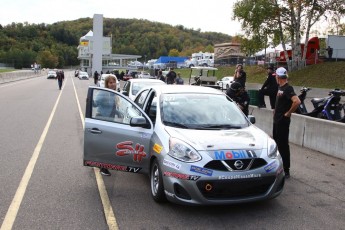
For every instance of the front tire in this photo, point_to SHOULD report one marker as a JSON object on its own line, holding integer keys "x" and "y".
{"x": 156, "y": 182}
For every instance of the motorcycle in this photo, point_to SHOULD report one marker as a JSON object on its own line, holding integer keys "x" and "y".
{"x": 318, "y": 104}
{"x": 328, "y": 108}
{"x": 333, "y": 108}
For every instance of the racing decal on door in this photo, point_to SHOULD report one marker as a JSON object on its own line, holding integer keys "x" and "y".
{"x": 112, "y": 166}
{"x": 126, "y": 148}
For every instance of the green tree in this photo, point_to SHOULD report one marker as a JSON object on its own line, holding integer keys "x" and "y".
{"x": 174, "y": 53}
{"x": 290, "y": 19}
{"x": 47, "y": 59}
{"x": 257, "y": 21}
{"x": 209, "y": 48}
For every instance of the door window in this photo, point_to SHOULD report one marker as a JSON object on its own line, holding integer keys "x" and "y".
{"x": 109, "y": 106}
{"x": 140, "y": 99}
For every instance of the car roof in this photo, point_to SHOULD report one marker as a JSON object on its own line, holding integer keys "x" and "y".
{"x": 166, "y": 89}
{"x": 144, "y": 79}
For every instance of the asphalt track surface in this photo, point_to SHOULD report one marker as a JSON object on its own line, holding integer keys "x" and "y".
{"x": 45, "y": 186}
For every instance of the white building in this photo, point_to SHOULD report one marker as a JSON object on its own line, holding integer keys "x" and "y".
{"x": 95, "y": 53}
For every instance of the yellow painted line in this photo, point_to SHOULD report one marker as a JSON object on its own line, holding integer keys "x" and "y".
{"x": 108, "y": 210}
{"x": 78, "y": 103}
{"x": 18, "y": 197}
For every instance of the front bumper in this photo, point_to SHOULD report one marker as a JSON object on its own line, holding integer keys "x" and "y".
{"x": 214, "y": 187}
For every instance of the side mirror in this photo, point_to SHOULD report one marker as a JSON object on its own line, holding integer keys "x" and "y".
{"x": 251, "y": 119}
{"x": 138, "y": 122}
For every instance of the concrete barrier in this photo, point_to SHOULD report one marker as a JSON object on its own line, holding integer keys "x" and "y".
{"x": 317, "y": 134}
{"x": 20, "y": 75}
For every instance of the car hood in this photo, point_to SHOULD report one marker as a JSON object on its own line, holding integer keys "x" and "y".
{"x": 247, "y": 138}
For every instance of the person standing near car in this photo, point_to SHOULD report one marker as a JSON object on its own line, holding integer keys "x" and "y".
{"x": 106, "y": 107}
{"x": 60, "y": 76}
{"x": 160, "y": 75}
{"x": 240, "y": 75}
{"x": 286, "y": 103}
{"x": 239, "y": 95}
{"x": 269, "y": 88}
{"x": 171, "y": 76}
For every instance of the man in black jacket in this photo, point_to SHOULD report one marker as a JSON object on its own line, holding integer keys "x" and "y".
{"x": 239, "y": 95}
{"x": 269, "y": 88}
{"x": 171, "y": 76}
{"x": 60, "y": 76}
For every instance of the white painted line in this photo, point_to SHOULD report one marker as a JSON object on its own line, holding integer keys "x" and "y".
{"x": 18, "y": 197}
{"x": 108, "y": 210}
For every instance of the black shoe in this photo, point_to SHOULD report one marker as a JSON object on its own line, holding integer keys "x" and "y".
{"x": 287, "y": 174}
{"x": 105, "y": 172}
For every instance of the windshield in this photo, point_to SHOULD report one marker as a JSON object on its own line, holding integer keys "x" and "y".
{"x": 201, "y": 111}
{"x": 137, "y": 86}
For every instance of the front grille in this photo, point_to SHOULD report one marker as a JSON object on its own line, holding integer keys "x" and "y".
{"x": 235, "y": 189}
{"x": 248, "y": 164}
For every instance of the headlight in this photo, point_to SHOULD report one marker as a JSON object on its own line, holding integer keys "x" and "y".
{"x": 182, "y": 151}
{"x": 272, "y": 149}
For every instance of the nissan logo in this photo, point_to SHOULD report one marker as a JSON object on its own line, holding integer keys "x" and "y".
{"x": 238, "y": 164}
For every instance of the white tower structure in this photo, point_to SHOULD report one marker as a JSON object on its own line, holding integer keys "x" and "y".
{"x": 97, "y": 48}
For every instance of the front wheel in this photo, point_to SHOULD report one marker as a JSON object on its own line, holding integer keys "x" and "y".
{"x": 156, "y": 181}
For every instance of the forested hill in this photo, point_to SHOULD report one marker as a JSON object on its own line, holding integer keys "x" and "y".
{"x": 21, "y": 44}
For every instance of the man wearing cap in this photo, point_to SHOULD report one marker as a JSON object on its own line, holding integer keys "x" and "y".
{"x": 269, "y": 88}
{"x": 286, "y": 103}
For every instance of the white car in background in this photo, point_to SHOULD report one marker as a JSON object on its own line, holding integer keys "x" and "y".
{"x": 144, "y": 74}
{"x": 225, "y": 82}
{"x": 51, "y": 74}
{"x": 83, "y": 75}
{"x": 102, "y": 78}
{"x": 133, "y": 86}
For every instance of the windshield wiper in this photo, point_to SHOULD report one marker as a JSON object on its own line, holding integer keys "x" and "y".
{"x": 220, "y": 127}
{"x": 174, "y": 124}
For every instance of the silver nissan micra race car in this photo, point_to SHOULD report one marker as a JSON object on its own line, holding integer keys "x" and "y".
{"x": 195, "y": 144}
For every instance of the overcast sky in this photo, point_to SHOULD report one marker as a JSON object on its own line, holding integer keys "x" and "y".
{"x": 214, "y": 16}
